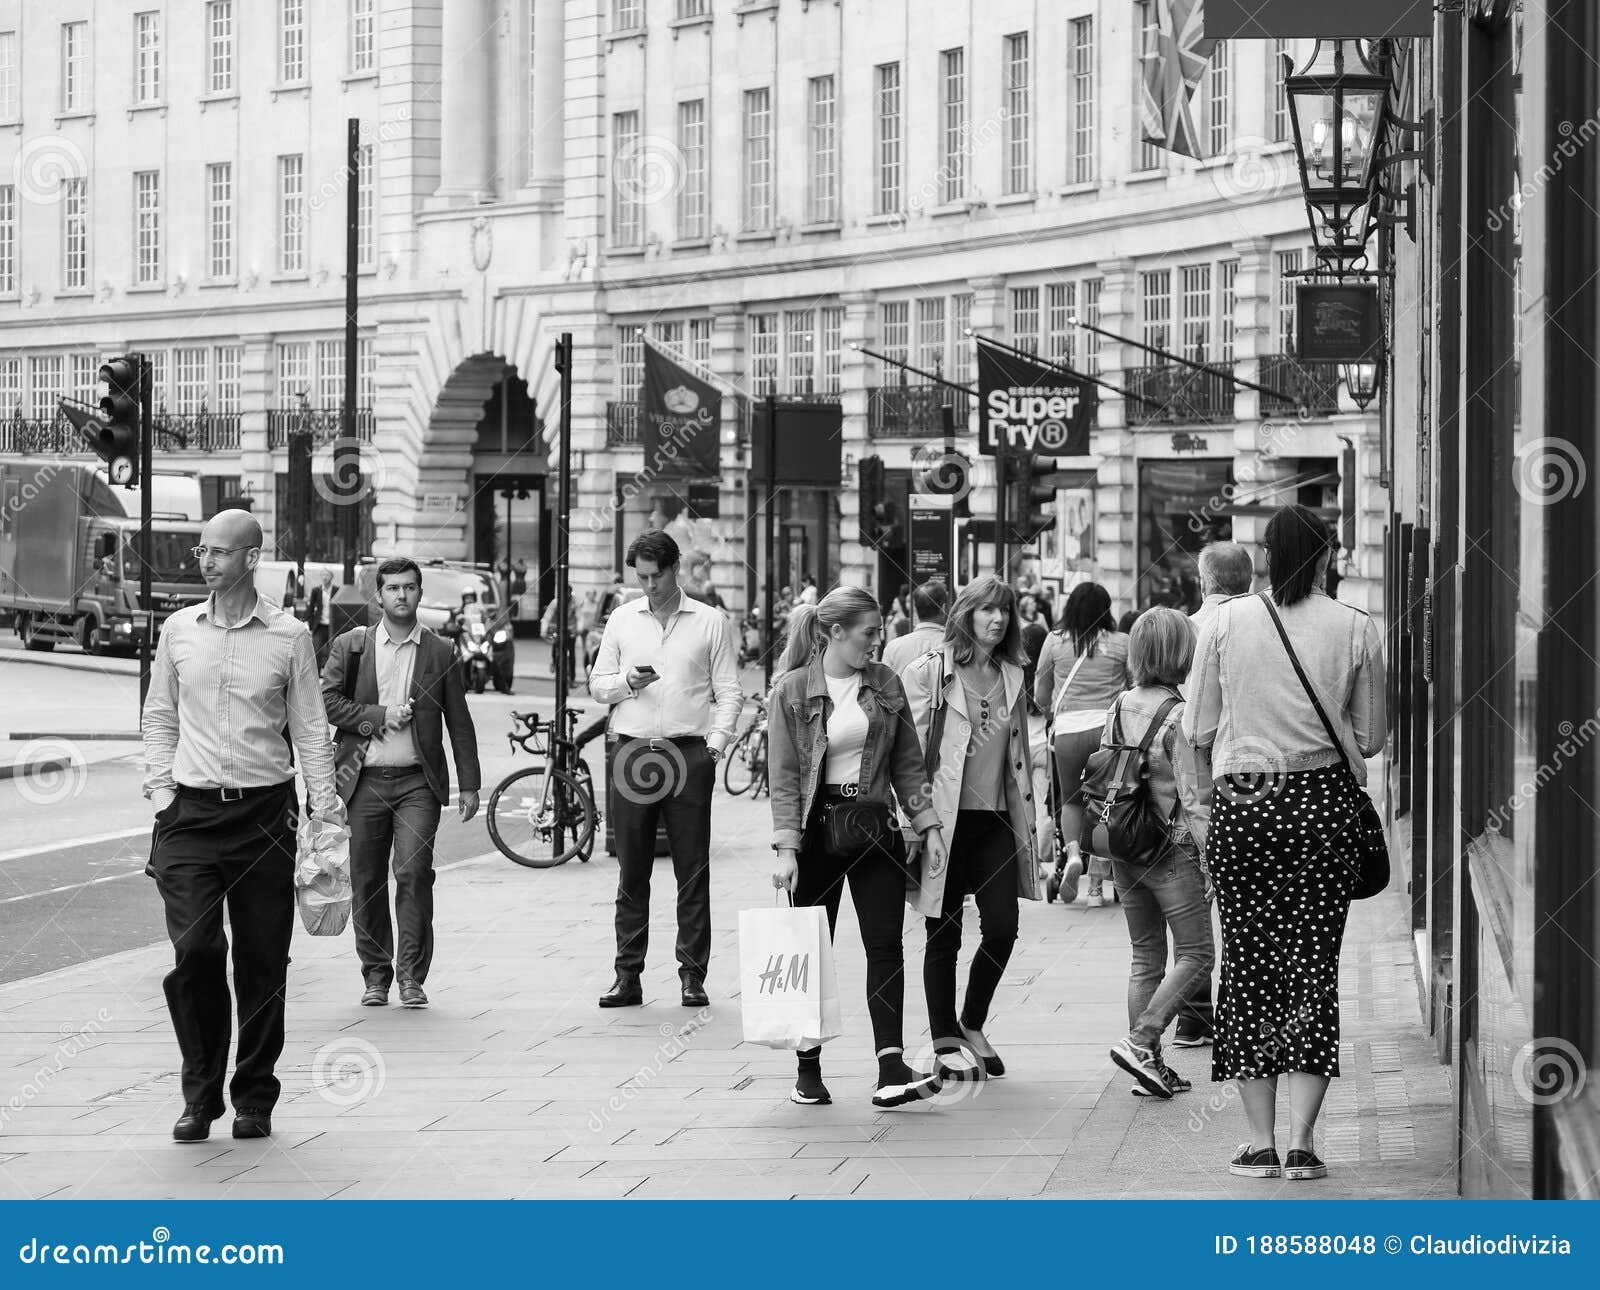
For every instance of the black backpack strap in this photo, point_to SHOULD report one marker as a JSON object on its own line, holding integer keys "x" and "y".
{"x": 1156, "y": 723}
{"x": 1299, "y": 671}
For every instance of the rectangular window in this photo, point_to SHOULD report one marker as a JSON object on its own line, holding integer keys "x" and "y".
{"x": 1018, "y": 138}
{"x": 1288, "y": 263}
{"x": 9, "y": 89}
{"x": 960, "y": 320}
{"x": 700, "y": 341}
{"x": 693, "y": 8}
{"x": 1025, "y": 318}
{"x": 147, "y": 44}
{"x": 1061, "y": 301}
{"x": 894, "y": 335}
{"x": 888, "y": 144}
{"x": 294, "y": 373}
{"x": 147, "y": 227}
{"x": 366, "y": 185}
{"x": 1155, "y": 291}
{"x": 822, "y": 205}
{"x": 74, "y": 66}
{"x": 692, "y": 150}
{"x": 330, "y": 374}
{"x": 931, "y": 334}
{"x": 1227, "y": 298}
{"x": 10, "y": 387}
{"x": 219, "y": 220}
{"x": 219, "y": 47}
{"x": 626, "y": 210}
{"x": 47, "y": 379}
{"x": 1195, "y": 292}
{"x": 75, "y": 234}
{"x": 1084, "y": 152}
{"x": 800, "y": 350}
{"x": 8, "y": 239}
{"x": 229, "y": 359}
{"x": 291, "y": 214}
{"x": 1150, "y": 156}
{"x": 191, "y": 379}
{"x": 762, "y": 331}
{"x": 85, "y": 378}
{"x": 363, "y": 45}
{"x": 669, "y": 334}
{"x": 757, "y": 160}
{"x": 953, "y": 114}
{"x": 1091, "y": 315}
{"x": 832, "y": 350}
{"x": 1219, "y": 101}
{"x": 366, "y": 372}
{"x": 1280, "y": 94}
{"x": 158, "y": 373}
{"x": 291, "y": 41}
{"x": 630, "y": 361}
{"x": 627, "y": 15}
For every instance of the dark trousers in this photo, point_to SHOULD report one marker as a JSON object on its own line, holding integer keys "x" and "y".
{"x": 983, "y": 861}
{"x": 878, "y": 890}
{"x": 1197, "y": 1017}
{"x": 205, "y": 853}
{"x": 393, "y": 811}
{"x": 668, "y": 784}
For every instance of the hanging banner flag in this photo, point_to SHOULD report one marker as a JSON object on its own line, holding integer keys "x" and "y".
{"x": 1022, "y": 404}
{"x": 680, "y": 420}
{"x": 1171, "y": 74}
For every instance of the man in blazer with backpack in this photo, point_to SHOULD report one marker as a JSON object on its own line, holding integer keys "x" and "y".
{"x": 392, "y": 691}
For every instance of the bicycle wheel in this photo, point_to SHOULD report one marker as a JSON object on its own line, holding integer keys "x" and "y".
{"x": 758, "y": 764}
{"x": 738, "y": 771}
{"x": 525, "y": 813}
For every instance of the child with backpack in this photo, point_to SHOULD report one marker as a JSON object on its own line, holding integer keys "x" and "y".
{"x": 1147, "y": 805}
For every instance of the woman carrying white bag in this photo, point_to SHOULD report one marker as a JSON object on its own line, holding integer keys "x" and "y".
{"x": 842, "y": 749}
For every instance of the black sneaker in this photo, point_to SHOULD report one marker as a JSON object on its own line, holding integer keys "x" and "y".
{"x": 809, "y": 1090}
{"x": 1255, "y": 1164}
{"x": 915, "y": 1088}
{"x": 1175, "y": 1082}
{"x": 1143, "y": 1065}
{"x": 1302, "y": 1165}
{"x": 1191, "y": 1038}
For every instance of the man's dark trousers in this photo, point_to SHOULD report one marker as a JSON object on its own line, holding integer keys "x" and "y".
{"x": 393, "y": 810}
{"x": 208, "y": 851}
{"x": 668, "y": 783}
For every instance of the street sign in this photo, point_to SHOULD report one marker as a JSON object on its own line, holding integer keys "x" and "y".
{"x": 1338, "y": 322}
{"x": 1026, "y": 406}
{"x": 932, "y": 538}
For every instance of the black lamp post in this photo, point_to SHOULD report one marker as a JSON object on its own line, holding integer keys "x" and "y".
{"x": 1337, "y": 106}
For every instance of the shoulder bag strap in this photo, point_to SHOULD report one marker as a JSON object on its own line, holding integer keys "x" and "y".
{"x": 1061, "y": 694}
{"x": 1299, "y": 671}
{"x": 930, "y": 754}
{"x": 352, "y": 662}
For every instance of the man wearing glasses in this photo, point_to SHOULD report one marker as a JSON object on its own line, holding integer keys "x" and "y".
{"x": 232, "y": 676}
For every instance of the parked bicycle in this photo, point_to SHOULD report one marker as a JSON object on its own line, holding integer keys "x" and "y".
{"x": 744, "y": 768}
{"x": 544, "y": 815}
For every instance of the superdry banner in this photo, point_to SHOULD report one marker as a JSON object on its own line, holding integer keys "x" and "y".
{"x": 1026, "y": 405}
{"x": 680, "y": 421}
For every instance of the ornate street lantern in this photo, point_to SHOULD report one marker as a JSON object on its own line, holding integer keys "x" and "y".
{"x": 1362, "y": 380}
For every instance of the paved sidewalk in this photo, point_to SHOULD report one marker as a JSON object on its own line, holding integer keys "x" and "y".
{"x": 515, "y": 1085}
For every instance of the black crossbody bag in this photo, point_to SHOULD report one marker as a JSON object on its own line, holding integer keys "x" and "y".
{"x": 1372, "y": 848}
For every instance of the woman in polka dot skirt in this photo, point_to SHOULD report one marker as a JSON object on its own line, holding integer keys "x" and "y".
{"x": 1282, "y": 846}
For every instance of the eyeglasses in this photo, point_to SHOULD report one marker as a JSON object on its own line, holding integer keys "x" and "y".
{"x": 201, "y": 552}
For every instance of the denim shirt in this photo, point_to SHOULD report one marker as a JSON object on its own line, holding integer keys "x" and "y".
{"x": 891, "y": 762}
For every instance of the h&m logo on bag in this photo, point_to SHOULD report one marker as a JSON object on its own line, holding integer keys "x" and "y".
{"x": 776, "y": 978}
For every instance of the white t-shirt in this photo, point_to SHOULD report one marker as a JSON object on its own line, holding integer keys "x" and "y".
{"x": 847, "y": 730}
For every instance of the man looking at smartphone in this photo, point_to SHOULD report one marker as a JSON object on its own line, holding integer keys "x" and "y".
{"x": 667, "y": 665}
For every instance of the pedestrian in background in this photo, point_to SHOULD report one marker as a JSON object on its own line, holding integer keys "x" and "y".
{"x": 1083, "y": 667}
{"x": 319, "y": 614}
{"x": 1034, "y": 634}
{"x": 1282, "y": 848}
{"x": 232, "y": 676}
{"x": 967, "y": 701}
{"x": 1172, "y": 892}
{"x": 930, "y": 603}
{"x": 841, "y": 738}
{"x": 391, "y": 704}
{"x": 668, "y": 667}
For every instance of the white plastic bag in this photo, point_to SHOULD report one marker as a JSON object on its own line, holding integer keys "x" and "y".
{"x": 788, "y": 993}
{"x": 322, "y": 876}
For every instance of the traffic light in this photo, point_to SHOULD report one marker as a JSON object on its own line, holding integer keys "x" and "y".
{"x": 300, "y": 488}
{"x": 1033, "y": 498}
{"x": 117, "y": 438}
{"x": 871, "y": 488}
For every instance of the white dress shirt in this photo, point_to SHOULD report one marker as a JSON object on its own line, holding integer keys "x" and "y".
{"x": 694, "y": 657}
{"x": 396, "y": 661}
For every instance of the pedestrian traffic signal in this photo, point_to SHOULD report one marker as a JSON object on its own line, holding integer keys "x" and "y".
{"x": 117, "y": 438}
{"x": 1033, "y": 509}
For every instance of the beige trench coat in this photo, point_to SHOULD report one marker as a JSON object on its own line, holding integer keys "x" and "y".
{"x": 919, "y": 679}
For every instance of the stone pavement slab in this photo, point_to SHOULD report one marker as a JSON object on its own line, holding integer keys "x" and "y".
{"x": 515, "y": 1085}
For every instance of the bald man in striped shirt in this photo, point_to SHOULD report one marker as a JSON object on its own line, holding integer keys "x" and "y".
{"x": 231, "y": 675}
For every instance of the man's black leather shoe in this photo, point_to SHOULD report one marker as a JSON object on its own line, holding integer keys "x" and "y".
{"x": 251, "y": 1123}
{"x": 194, "y": 1125}
{"x": 694, "y": 993}
{"x": 625, "y": 992}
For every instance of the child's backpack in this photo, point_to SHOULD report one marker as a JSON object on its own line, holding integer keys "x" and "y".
{"x": 1118, "y": 819}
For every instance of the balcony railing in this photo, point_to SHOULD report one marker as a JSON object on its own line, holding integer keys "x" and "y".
{"x": 1171, "y": 394}
{"x": 913, "y": 411}
{"x": 51, "y": 435}
{"x": 325, "y": 424}
{"x": 200, "y": 431}
{"x": 1313, "y": 386}
{"x": 750, "y": 408}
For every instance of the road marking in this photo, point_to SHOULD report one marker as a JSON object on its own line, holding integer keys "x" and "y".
{"x": 72, "y": 886}
{"x": 89, "y": 841}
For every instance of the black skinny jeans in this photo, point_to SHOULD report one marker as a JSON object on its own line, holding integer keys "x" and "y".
{"x": 983, "y": 861}
{"x": 878, "y": 889}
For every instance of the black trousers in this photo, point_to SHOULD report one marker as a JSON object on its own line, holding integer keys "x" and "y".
{"x": 983, "y": 861}
{"x": 393, "y": 812}
{"x": 668, "y": 784}
{"x": 208, "y": 854}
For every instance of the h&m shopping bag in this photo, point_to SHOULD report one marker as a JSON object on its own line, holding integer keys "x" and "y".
{"x": 787, "y": 989}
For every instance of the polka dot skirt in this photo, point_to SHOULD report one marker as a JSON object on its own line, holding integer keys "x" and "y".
{"x": 1281, "y": 851}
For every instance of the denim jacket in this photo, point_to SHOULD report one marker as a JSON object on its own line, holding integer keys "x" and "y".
{"x": 1247, "y": 705}
{"x": 891, "y": 762}
{"x": 1177, "y": 775}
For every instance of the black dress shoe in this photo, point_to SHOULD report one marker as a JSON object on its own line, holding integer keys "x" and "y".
{"x": 625, "y": 992}
{"x": 194, "y": 1125}
{"x": 694, "y": 993}
{"x": 375, "y": 996}
{"x": 250, "y": 1122}
{"x": 412, "y": 995}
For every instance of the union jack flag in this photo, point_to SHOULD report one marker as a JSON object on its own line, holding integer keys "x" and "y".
{"x": 1171, "y": 74}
